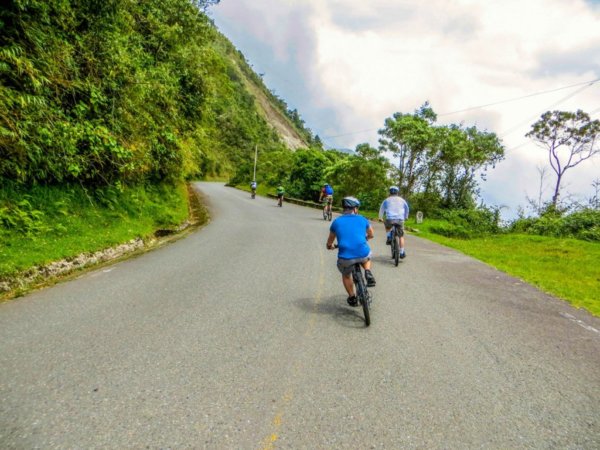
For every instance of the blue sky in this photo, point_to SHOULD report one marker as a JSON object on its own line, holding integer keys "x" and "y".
{"x": 347, "y": 65}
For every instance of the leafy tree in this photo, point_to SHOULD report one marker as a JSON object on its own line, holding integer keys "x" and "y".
{"x": 363, "y": 175}
{"x": 570, "y": 138}
{"x": 438, "y": 164}
{"x": 307, "y": 173}
{"x": 407, "y": 137}
{"x": 465, "y": 152}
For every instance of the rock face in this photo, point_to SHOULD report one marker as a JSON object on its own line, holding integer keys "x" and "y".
{"x": 64, "y": 266}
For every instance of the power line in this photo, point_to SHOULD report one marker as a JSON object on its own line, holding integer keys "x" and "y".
{"x": 522, "y": 97}
{"x": 586, "y": 83}
{"x": 564, "y": 99}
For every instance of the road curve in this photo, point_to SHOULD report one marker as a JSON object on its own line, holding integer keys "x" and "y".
{"x": 238, "y": 337}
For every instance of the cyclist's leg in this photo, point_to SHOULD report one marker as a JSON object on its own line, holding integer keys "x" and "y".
{"x": 368, "y": 274}
{"x": 348, "y": 284}
{"x": 345, "y": 267}
{"x": 388, "y": 227}
{"x": 401, "y": 230}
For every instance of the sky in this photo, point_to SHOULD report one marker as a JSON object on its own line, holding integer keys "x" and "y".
{"x": 347, "y": 65}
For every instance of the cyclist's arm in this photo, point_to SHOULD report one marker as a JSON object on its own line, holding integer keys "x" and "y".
{"x": 381, "y": 210}
{"x": 330, "y": 240}
{"x": 369, "y": 232}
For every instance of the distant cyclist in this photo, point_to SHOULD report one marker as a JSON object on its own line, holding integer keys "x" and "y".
{"x": 352, "y": 232}
{"x": 327, "y": 197}
{"x": 253, "y": 187}
{"x": 280, "y": 193}
{"x": 395, "y": 211}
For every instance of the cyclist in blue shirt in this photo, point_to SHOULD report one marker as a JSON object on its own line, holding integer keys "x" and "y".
{"x": 326, "y": 196}
{"x": 352, "y": 232}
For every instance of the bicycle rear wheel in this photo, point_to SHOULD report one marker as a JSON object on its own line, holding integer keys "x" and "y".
{"x": 362, "y": 294}
{"x": 396, "y": 246}
{"x": 329, "y": 214}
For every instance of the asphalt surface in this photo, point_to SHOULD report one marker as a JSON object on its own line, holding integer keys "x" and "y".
{"x": 238, "y": 337}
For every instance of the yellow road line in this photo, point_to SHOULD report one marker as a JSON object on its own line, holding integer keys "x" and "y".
{"x": 268, "y": 443}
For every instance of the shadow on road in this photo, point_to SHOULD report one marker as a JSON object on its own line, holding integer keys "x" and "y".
{"x": 335, "y": 307}
{"x": 381, "y": 259}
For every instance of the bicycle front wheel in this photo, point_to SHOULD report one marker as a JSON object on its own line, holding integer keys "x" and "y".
{"x": 365, "y": 305}
{"x": 396, "y": 248}
{"x": 362, "y": 294}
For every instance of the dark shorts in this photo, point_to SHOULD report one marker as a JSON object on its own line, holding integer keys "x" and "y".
{"x": 345, "y": 265}
{"x": 388, "y": 223}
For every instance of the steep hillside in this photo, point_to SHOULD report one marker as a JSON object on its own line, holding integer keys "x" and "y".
{"x": 272, "y": 109}
{"x": 127, "y": 92}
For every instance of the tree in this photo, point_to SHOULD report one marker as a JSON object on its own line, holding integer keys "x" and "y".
{"x": 407, "y": 137}
{"x": 363, "y": 175}
{"x": 307, "y": 173}
{"x": 570, "y": 139}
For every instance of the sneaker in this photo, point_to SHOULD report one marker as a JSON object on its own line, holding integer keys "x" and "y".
{"x": 402, "y": 255}
{"x": 370, "y": 278}
{"x": 352, "y": 300}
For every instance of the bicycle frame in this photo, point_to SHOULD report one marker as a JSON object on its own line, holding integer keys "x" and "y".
{"x": 362, "y": 293}
{"x": 397, "y": 233}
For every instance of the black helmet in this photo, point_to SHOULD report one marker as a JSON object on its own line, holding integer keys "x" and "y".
{"x": 350, "y": 202}
{"x": 394, "y": 189}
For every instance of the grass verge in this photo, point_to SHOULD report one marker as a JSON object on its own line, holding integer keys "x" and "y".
{"x": 566, "y": 268}
{"x": 44, "y": 224}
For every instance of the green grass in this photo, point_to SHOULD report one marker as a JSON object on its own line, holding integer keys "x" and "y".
{"x": 45, "y": 224}
{"x": 566, "y": 268}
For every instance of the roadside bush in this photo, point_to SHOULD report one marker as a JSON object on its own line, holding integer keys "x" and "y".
{"x": 468, "y": 223}
{"x": 583, "y": 224}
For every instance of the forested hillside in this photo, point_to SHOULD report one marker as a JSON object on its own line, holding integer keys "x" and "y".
{"x": 107, "y": 108}
{"x": 105, "y": 92}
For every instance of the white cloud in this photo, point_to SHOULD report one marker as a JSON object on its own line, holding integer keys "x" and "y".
{"x": 346, "y": 65}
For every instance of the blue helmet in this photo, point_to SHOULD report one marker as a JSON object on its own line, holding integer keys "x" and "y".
{"x": 394, "y": 189}
{"x": 350, "y": 202}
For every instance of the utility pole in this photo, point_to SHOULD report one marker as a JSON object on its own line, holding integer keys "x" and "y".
{"x": 255, "y": 155}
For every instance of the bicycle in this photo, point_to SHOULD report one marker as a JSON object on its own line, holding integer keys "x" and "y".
{"x": 280, "y": 201}
{"x": 327, "y": 214}
{"x": 397, "y": 233}
{"x": 253, "y": 194}
{"x": 363, "y": 295}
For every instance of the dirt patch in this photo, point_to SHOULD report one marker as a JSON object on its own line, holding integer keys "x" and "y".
{"x": 275, "y": 117}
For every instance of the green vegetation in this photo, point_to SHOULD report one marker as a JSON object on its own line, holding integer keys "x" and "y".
{"x": 45, "y": 224}
{"x": 107, "y": 108}
{"x": 565, "y": 267}
{"x": 105, "y": 92}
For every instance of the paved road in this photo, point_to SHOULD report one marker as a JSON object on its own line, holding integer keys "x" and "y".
{"x": 238, "y": 337}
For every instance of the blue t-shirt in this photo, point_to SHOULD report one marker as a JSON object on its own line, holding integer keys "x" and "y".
{"x": 351, "y": 233}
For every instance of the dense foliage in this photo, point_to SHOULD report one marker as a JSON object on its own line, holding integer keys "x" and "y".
{"x": 583, "y": 224}
{"x": 438, "y": 165}
{"x": 109, "y": 92}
